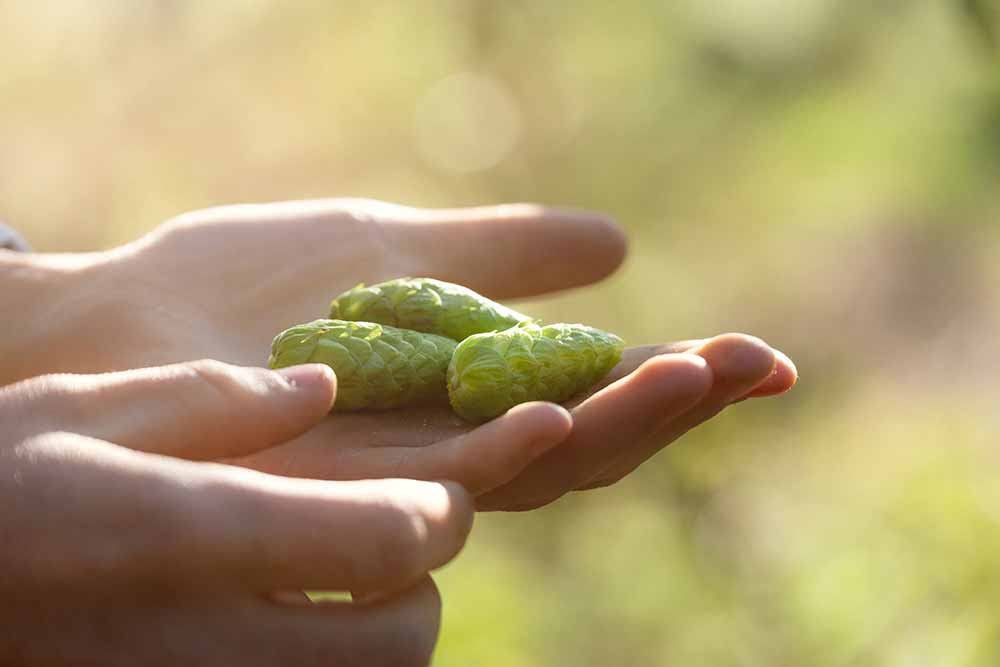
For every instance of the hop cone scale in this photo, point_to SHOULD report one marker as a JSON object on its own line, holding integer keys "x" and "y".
{"x": 492, "y": 372}
{"x": 377, "y": 366}
{"x": 427, "y": 305}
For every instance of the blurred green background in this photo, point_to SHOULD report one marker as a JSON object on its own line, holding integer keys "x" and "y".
{"x": 821, "y": 173}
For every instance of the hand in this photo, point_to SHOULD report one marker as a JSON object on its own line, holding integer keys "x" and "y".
{"x": 118, "y": 553}
{"x": 654, "y": 396}
{"x": 222, "y": 282}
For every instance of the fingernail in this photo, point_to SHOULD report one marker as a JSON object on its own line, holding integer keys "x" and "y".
{"x": 308, "y": 376}
{"x": 782, "y": 357}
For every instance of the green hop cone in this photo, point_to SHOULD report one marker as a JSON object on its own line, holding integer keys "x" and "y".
{"x": 492, "y": 372}
{"x": 427, "y": 305}
{"x": 377, "y": 366}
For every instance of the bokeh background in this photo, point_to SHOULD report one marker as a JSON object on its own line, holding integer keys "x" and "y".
{"x": 822, "y": 173}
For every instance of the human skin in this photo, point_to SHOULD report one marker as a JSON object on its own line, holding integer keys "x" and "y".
{"x": 220, "y": 283}
{"x": 122, "y": 552}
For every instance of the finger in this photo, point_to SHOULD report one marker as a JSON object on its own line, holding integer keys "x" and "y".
{"x": 290, "y": 597}
{"x": 245, "y": 630}
{"x": 634, "y": 357}
{"x": 480, "y": 459}
{"x": 374, "y": 535}
{"x": 739, "y": 363}
{"x": 200, "y": 410}
{"x": 614, "y": 417}
{"x": 394, "y": 632}
{"x": 508, "y": 251}
{"x": 782, "y": 378}
{"x": 181, "y": 524}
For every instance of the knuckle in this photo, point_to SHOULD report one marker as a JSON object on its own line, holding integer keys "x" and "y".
{"x": 401, "y": 542}
{"x": 403, "y": 549}
{"x": 246, "y": 392}
{"x": 461, "y": 514}
{"x": 211, "y": 371}
{"x": 220, "y": 379}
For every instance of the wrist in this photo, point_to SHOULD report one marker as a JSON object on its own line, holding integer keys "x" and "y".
{"x": 43, "y": 298}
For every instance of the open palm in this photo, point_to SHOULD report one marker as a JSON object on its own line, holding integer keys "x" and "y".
{"x": 220, "y": 283}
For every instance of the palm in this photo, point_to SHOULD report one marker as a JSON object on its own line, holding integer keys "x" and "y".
{"x": 231, "y": 278}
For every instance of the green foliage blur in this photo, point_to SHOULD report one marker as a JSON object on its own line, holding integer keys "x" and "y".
{"x": 821, "y": 173}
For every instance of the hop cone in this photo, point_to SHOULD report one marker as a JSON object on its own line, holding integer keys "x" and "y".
{"x": 425, "y": 304}
{"x": 492, "y": 372}
{"x": 377, "y": 366}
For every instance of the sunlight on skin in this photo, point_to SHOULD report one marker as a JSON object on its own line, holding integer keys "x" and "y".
{"x": 168, "y": 298}
{"x": 672, "y": 394}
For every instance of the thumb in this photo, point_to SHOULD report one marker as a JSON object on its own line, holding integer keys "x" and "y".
{"x": 197, "y": 410}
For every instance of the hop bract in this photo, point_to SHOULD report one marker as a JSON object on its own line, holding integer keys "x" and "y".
{"x": 425, "y": 304}
{"x": 377, "y": 366}
{"x": 393, "y": 345}
{"x": 492, "y": 372}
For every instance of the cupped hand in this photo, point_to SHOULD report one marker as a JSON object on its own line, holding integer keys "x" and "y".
{"x": 221, "y": 283}
{"x": 654, "y": 396}
{"x": 117, "y": 552}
